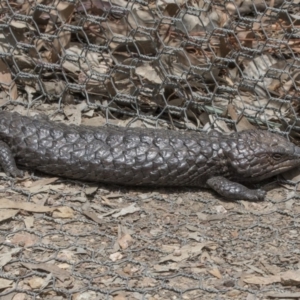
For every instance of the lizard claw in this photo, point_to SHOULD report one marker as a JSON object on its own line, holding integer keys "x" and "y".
{"x": 257, "y": 195}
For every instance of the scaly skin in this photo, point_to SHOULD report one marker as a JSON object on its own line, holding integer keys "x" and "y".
{"x": 134, "y": 156}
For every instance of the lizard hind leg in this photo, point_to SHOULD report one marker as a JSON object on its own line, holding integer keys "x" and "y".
{"x": 7, "y": 161}
{"x": 233, "y": 190}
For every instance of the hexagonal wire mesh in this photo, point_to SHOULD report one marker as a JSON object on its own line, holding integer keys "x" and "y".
{"x": 196, "y": 65}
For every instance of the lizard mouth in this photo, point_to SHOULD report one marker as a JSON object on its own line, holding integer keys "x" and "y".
{"x": 285, "y": 168}
{"x": 281, "y": 168}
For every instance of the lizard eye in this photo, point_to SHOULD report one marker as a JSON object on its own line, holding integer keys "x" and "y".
{"x": 277, "y": 156}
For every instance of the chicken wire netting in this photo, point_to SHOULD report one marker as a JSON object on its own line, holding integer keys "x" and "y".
{"x": 195, "y": 65}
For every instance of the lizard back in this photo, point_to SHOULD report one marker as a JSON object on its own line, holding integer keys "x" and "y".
{"x": 135, "y": 156}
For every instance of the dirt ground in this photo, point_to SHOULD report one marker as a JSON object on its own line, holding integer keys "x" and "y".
{"x": 70, "y": 240}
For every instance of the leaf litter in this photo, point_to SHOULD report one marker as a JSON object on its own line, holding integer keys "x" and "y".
{"x": 163, "y": 252}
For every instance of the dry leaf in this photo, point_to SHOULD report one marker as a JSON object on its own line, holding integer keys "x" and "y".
{"x": 61, "y": 42}
{"x": 201, "y": 216}
{"x": 290, "y": 277}
{"x": 6, "y": 214}
{"x": 91, "y": 190}
{"x": 27, "y": 206}
{"x": 73, "y": 112}
{"x": 39, "y": 185}
{"x": 125, "y": 241}
{"x": 29, "y": 222}
{"x": 235, "y": 234}
{"x": 166, "y": 268}
{"x": 189, "y": 251}
{"x": 272, "y": 269}
{"x": 261, "y": 280}
{"x": 36, "y": 282}
{"x": 64, "y": 266}
{"x": 81, "y": 199}
{"x": 66, "y": 255}
{"x": 284, "y": 295}
{"x": 107, "y": 202}
{"x": 114, "y": 195}
{"x": 96, "y": 121}
{"x": 92, "y": 216}
{"x": 242, "y": 122}
{"x": 127, "y": 210}
{"x": 20, "y": 296}
{"x": 220, "y": 209}
{"x": 149, "y": 73}
{"x": 215, "y": 272}
{"x": 257, "y": 270}
{"x": 24, "y": 239}
{"x": 89, "y": 295}
{"x": 148, "y": 282}
{"x": 65, "y": 10}
{"x": 53, "y": 269}
{"x": 6, "y": 81}
{"x": 5, "y": 283}
{"x": 116, "y": 256}
{"x": 194, "y": 236}
{"x": 7, "y": 256}
{"x": 120, "y": 296}
{"x": 63, "y": 212}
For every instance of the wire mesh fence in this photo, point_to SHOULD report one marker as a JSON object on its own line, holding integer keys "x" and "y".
{"x": 196, "y": 65}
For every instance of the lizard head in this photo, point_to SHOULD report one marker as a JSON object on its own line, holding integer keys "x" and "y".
{"x": 257, "y": 154}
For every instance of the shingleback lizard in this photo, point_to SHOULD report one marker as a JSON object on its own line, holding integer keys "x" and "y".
{"x": 136, "y": 156}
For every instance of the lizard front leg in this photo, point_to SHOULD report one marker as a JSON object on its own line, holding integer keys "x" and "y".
{"x": 7, "y": 161}
{"x": 233, "y": 190}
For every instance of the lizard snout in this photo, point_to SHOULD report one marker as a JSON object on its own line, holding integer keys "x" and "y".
{"x": 297, "y": 151}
